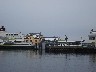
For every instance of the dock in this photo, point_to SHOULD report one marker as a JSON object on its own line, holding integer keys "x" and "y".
{"x": 69, "y": 49}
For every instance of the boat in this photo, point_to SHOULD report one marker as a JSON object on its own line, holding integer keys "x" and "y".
{"x": 17, "y": 44}
{"x": 22, "y": 44}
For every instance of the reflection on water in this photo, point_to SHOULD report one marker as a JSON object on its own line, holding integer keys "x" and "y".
{"x": 39, "y": 61}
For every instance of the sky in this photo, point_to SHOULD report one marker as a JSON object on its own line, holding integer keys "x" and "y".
{"x": 74, "y": 18}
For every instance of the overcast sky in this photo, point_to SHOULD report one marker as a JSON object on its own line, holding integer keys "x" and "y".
{"x": 75, "y": 18}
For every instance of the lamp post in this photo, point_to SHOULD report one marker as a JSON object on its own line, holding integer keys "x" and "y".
{"x": 66, "y": 38}
{"x": 81, "y": 41}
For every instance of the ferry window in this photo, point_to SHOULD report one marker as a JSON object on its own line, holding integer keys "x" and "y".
{"x": 91, "y": 38}
{"x": 15, "y": 34}
{"x": 6, "y": 34}
{"x": 12, "y": 34}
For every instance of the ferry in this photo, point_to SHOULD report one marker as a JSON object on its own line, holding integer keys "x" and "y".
{"x": 17, "y": 44}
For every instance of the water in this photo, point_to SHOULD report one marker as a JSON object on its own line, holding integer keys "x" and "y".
{"x": 35, "y": 61}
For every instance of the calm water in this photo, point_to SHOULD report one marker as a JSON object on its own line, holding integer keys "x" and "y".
{"x": 35, "y": 61}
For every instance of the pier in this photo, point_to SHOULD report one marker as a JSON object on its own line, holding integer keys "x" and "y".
{"x": 69, "y": 49}
{"x": 53, "y": 49}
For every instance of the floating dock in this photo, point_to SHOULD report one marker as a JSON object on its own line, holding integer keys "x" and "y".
{"x": 54, "y": 49}
{"x": 69, "y": 49}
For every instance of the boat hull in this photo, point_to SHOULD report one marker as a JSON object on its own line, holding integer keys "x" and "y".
{"x": 12, "y": 47}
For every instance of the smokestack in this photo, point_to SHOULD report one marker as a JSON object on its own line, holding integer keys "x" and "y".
{"x": 2, "y": 28}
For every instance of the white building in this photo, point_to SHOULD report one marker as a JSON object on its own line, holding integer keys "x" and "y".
{"x": 51, "y": 38}
{"x": 92, "y": 37}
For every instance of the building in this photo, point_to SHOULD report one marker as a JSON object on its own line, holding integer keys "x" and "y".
{"x": 92, "y": 37}
{"x": 69, "y": 43}
{"x": 51, "y": 38}
{"x": 56, "y": 41}
{"x": 50, "y": 41}
{"x": 34, "y": 38}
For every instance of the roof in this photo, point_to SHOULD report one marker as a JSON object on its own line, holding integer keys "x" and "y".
{"x": 93, "y": 31}
{"x": 35, "y": 33}
{"x": 92, "y": 35}
{"x": 50, "y": 37}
